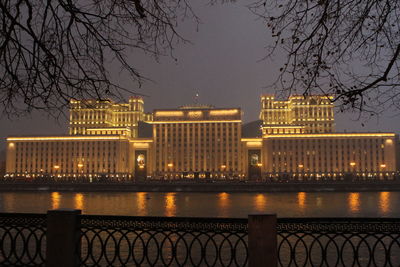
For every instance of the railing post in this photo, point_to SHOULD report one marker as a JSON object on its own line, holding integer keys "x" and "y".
{"x": 62, "y": 237}
{"x": 262, "y": 241}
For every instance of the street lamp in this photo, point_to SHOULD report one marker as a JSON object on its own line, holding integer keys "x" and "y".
{"x": 80, "y": 167}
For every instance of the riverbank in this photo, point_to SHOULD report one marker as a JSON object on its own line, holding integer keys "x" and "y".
{"x": 203, "y": 187}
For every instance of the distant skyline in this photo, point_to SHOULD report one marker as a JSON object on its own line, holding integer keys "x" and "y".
{"x": 223, "y": 64}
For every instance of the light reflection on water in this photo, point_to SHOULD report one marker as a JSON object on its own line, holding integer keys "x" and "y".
{"x": 170, "y": 204}
{"x": 296, "y": 204}
{"x": 142, "y": 203}
{"x": 260, "y": 202}
{"x": 79, "y": 201}
{"x": 55, "y": 200}
{"x": 354, "y": 202}
{"x": 384, "y": 202}
{"x": 223, "y": 204}
{"x": 301, "y": 200}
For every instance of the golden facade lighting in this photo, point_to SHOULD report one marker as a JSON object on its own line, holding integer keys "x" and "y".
{"x": 224, "y": 112}
{"x": 64, "y": 138}
{"x": 192, "y": 121}
{"x": 168, "y": 113}
{"x": 195, "y": 114}
{"x": 331, "y": 135}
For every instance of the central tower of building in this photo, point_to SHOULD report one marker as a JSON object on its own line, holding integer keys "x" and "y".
{"x": 197, "y": 140}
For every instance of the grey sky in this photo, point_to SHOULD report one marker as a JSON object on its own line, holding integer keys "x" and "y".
{"x": 222, "y": 64}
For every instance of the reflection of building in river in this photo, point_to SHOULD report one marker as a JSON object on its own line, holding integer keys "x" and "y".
{"x": 384, "y": 202}
{"x": 141, "y": 203}
{"x": 170, "y": 204}
{"x": 301, "y": 199}
{"x": 223, "y": 204}
{"x": 79, "y": 201}
{"x": 260, "y": 201}
{"x": 295, "y": 139}
{"x": 55, "y": 200}
{"x": 354, "y": 202}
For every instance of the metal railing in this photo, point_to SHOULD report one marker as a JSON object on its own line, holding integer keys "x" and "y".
{"x": 339, "y": 242}
{"x": 162, "y": 241}
{"x": 166, "y": 241}
{"x": 22, "y": 239}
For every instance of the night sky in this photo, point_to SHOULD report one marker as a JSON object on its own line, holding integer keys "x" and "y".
{"x": 223, "y": 64}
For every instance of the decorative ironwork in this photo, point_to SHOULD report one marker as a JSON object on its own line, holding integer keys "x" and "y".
{"x": 22, "y": 239}
{"x": 338, "y": 242}
{"x": 166, "y": 241}
{"x": 163, "y": 241}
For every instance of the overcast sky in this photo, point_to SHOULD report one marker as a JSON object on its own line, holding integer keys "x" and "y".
{"x": 223, "y": 64}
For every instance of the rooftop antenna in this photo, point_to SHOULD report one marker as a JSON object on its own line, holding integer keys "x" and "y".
{"x": 196, "y": 98}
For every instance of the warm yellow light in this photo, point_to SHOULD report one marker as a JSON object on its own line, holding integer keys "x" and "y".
{"x": 54, "y": 138}
{"x": 253, "y": 144}
{"x": 80, "y": 165}
{"x": 11, "y": 145}
{"x": 251, "y": 139}
{"x": 301, "y": 166}
{"x": 383, "y": 165}
{"x": 259, "y": 164}
{"x": 56, "y": 167}
{"x": 141, "y": 167}
{"x": 170, "y": 165}
{"x": 389, "y": 141}
{"x": 352, "y": 164}
{"x": 168, "y": 113}
{"x": 198, "y": 121}
{"x": 195, "y": 114}
{"x": 224, "y": 112}
{"x": 331, "y": 135}
{"x": 223, "y": 166}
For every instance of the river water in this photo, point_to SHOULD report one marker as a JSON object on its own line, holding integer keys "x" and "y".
{"x": 293, "y": 204}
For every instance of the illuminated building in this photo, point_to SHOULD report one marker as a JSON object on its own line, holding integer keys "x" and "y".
{"x": 106, "y": 117}
{"x": 329, "y": 156}
{"x": 298, "y": 114}
{"x": 295, "y": 139}
{"x": 197, "y": 141}
{"x": 298, "y": 142}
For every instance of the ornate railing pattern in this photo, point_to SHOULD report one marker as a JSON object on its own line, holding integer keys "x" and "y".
{"x": 163, "y": 241}
{"x": 338, "y": 242}
{"x": 22, "y": 239}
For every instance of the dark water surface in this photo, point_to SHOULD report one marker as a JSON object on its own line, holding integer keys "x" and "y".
{"x": 301, "y": 204}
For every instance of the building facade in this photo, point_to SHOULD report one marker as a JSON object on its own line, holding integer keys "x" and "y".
{"x": 197, "y": 141}
{"x": 296, "y": 140}
{"x": 298, "y": 114}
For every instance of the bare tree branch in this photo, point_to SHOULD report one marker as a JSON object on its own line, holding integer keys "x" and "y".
{"x": 55, "y": 50}
{"x": 347, "y": 48}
